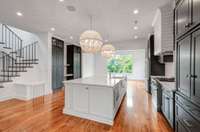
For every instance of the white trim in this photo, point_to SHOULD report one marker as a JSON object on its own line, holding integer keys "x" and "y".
{"x": 88, "y": 116}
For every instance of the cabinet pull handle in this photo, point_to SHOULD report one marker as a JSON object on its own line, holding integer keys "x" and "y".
{"x": 187, "y": 123}
{"x": 187, "y": 76}
{"x": 187, "y": 25}
{"x": 194, "y": 76}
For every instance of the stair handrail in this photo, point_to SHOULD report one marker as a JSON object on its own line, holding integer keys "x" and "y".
{"x": 11, "y": 31}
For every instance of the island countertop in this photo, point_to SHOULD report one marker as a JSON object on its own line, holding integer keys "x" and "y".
{"x": 96, "y": 80}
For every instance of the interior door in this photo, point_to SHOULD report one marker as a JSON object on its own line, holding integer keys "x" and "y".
{"x": 196, "y": 67}
{"x": 183, "y": 16}
{"x": 184, "y": 61}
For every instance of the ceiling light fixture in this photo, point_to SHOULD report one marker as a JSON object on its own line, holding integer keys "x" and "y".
{"x": 19, "y": 13}
{"x": 135, "y": 37}
{"x": 61, "y": 0}
{"x": 90, "y": 40}
{"x": 53, "y": 29}
{"x": 108, "y": 51}
{"x": 135, "y": 28}
{"x": 136, "y": 11}
{"x": 71, "y": 37}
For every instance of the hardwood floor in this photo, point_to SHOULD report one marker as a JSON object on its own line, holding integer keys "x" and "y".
{"x": 44, "y": 114}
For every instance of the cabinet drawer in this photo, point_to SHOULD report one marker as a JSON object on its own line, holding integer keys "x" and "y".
{"x": 180, "y": 127}
{"x": 191, "y": 108}
{"x": 186, "y": 119}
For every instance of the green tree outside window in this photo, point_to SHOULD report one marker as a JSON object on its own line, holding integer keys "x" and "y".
{"x": 120, "y": 64}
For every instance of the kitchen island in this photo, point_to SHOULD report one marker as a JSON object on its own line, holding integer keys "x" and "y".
{"x": 94, "y": 98}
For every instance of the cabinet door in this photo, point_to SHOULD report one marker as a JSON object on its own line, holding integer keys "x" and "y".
{"x": 80, "y": 98}
{"x": 196, "y": 12}
{"x": 180, "y": 127}
{"x": 196, "y": 67}
{"x": 184, "y": 61}
{"x": 101, "y": 101}
{"x": 183, "y": 16}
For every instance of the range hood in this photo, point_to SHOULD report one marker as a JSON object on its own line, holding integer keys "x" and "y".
{"x": 166, "y": 56}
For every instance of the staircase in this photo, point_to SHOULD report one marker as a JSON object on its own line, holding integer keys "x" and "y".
{"x": 14, "y": 57}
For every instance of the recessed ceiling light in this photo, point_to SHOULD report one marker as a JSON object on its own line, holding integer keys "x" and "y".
{"x": 135, "y": 27}
{"x": 19, "y": 13}
{"x": 136, "y": 11}
{"x": 135, "y": 37}
{"x": 71, "y": 37}
{"x": 53, "y": 29}
{"x": 61, "y": 0}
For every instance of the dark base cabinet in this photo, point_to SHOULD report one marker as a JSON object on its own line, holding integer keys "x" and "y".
{"x": 168, "y": 106}
{"x": 187, "y": 115}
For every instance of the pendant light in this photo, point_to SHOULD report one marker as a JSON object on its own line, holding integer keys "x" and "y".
{"x": 90, "y": 40}
{"x": 108, "y": 50}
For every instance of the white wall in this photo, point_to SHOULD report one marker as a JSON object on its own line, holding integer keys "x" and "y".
{"x": 27, "y": 37}
{"x": 88, "y": 65}
{"x": 138, "y": 72}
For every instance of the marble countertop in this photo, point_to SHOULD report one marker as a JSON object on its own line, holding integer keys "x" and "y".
{"x": 169, "y": 86}
{"x": 95, "y": 80}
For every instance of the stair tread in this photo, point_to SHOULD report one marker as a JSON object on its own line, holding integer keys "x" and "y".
{"x": 14, "y": 70}
{"x": 7, "y": 48}
{"x": 30, "y": 60}
{"x": 9, "y": 75}
{"x": 20, "y": 66}
{"x": 6, "y": 81}
{"x": 13, "y": 52}
{"x": 25, "y": 63}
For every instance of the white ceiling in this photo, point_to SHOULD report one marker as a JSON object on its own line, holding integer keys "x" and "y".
{"x": 114, "y": 19}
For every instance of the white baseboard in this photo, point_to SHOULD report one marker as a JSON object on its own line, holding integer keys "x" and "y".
{"x": 88, "y": 116}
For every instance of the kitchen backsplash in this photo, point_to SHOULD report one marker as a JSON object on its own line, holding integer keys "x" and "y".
{"x": 170, "y": 69}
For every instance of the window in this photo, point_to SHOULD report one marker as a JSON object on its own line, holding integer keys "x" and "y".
{"x": 120, "y": 64}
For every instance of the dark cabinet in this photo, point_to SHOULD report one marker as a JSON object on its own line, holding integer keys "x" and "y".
{"x": 168, "y": 106}
{"x": 187, "y": 16}
{"x": 185, "y": 121}
{"x": 187, "y": 38}
{"x": 180, "y": 127}
{"x": 74, "y": 62}
{"x": 196, "y": 67}
{"x": 184, "y": 62}
{"x": 183, "y": 16}
{"x": 195, "y": 12}
{"x": 57, "y": 63}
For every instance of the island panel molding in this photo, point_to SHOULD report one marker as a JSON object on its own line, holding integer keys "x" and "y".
{"x": 94, "y": 98}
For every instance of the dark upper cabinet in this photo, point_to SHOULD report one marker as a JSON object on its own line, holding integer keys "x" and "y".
{"x": 195, "y": 12}
{"x": 182, "y": 16}
{"x": 187, "y": 16}
{"x": 184, "y": 61}
{"x": 196, "y": 67}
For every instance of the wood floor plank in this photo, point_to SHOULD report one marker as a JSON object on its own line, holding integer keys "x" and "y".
{"x": 44, "y": 114}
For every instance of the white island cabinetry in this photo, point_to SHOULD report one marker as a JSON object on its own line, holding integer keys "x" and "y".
{"x": 94, "y": 98}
